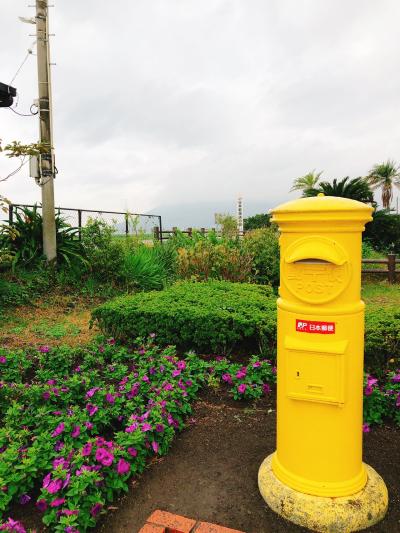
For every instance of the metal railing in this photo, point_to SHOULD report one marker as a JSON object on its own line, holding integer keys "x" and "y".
{"x": 124, "y": 223}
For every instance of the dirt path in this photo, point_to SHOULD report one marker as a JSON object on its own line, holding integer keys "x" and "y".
{"x": 211, "y": 473}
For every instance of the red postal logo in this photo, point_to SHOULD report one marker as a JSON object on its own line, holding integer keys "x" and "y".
{"x": 312, "y": 326}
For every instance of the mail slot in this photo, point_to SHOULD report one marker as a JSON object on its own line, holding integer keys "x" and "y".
{"x": 320, "y": 346}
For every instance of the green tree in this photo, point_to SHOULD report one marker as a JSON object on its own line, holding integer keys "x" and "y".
{"x": 356, "y": 189}
{"x": 308, "y": 181}
{"x": 385, "y": 176}
{"x": 227, "y": 224}
{"x": 257, "y": 221}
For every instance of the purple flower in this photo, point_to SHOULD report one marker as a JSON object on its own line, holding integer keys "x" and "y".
{"x": 159, "y": 428}
{"x": 59, "y": 429}
{"x": 146, "y": 427}
{"x": 24, "y": 499}
{"x": 146, "y": 379}
{"x": 76, "y": 432}
{"x": 91, "y": 392}
{"x": 123, "y": 467}
{"x": 168, "y": 387}
{"x": 54, "y": 486}
{"x": 91, "y": 409}
{"x": 59, "y": 446}
{"x": 41, "y": 505}
{"x": 396, "y": 378}
{"x": 366, "y": 428}
{"x": 154, "y": 445}
{"x": 71, "y": 529}
{"x": 241, "y": 373}
{"x": 46, "y": 395}
{"x": 13, "y": 526}
{"x": 3, "y": 359}
{"x": 97, "y": 507}
{"x": 70, "y": 512}
{"x": 242, "y": 388}
{"x": 132, "y": 451}
{"x": 176, "y": 373}
{"x": 181, "y": 365}
{"x": 44, "y": 349}
{"x": 266, "y": 388}
{"x": 372, "y": 381}
{"x": 368, "y": 390}
{"x": 87, "y": 449}
{"x": 110, "y": 398}
{"x": 227, "y": 378}
{"x": 57, "y": 502}
{"x": 104, "y": 457}
{"x": 131, "y": 428}
{"x": 89, "y": 425}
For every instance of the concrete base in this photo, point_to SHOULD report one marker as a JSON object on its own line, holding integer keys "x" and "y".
{"x": 325, "y": 515}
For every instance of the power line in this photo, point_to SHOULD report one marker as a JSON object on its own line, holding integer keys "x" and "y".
{"x": 30, "y": 52}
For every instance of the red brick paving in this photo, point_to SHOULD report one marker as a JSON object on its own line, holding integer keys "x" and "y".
{"x": 163, "y": 522}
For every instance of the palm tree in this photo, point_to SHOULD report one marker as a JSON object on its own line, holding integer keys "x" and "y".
{"x": 385, "y": 175}
{"x": 356, "y": 189}
{"x": 306, "y": 182}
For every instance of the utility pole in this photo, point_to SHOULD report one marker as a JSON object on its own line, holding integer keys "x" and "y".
{"x": 46, "y": 130}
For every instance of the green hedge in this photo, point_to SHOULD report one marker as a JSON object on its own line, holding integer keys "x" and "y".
{"x": 218, "y": 316}
{"x": 382, "y": 338}
{"x": 212, "y": 316}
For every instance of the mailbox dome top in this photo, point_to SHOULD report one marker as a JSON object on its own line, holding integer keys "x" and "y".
{"x": 323, "y": 203}
{"x": 324, "y": 211}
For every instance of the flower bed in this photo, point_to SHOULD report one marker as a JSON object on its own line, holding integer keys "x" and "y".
{"x": 77, "y": 423}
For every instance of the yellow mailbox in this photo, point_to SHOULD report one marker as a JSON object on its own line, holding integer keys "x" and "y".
{"x": 317, "y": 473}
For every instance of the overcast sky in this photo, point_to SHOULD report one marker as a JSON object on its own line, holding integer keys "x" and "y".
{"x": 160, "y": 103}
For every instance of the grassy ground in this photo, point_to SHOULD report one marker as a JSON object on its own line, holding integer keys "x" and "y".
{"x": 381, "y": 294}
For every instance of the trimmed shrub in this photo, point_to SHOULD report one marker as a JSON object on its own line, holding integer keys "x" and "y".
{"x": 382, "y": 338}
{"x": 211, "y": 316}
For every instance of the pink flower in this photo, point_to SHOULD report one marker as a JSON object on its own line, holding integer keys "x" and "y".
{"x": 111, "y": 342}
{"x": 54, "y": 486}
{"x": 123, "y": 467}
{"x": 132, "y": 428}
{"x": 59, "y": 429}
{"x": 97, "y": 507}
{"x": 181, "y": 365}
{"x": 368, "y": 390}
{"x": 257, "y": 364}
{"x": 366, "y": 428}
{"x": 176, "y": 373}
{"x": 91, "y": 409}
{"x": 242, "y": 388}
{"x": 46, "y": 395}
{"x": 241, "y": 373}
{"x": 168, "y": 387}
{"x": 76, "y": 432}
{"x": 91, "y": 392}
{"x": 3, "y": 359}
{"x": 70, "y": 512}
{"x": 57, "y": 502}
{"x": 104, "y": 457}
{"x": 44, "y": 349}
{"x": 132, "y": 451}
{"x": 110, "y": 398}
{"x": 87, "y": 449}
{"x": 154, "y": 445}
{"x": 372, "y": 381}
{"x": 396, "y": 378}
{"x": 227, "y": 378}
{"x": 146, "y": 427}
{"x": 159, "y": 428}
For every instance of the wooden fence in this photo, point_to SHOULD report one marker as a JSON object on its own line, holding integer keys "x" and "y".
{"x": 389, "y": 272}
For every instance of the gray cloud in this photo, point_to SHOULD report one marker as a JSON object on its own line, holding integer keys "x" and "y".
{"x": 170, "y": 103}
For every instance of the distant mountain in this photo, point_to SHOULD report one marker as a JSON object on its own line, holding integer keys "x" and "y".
{"x": 201, "y": 215}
